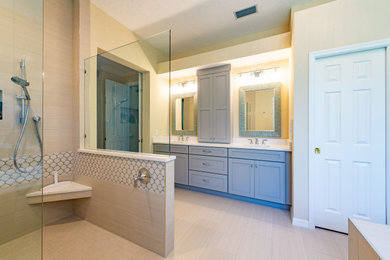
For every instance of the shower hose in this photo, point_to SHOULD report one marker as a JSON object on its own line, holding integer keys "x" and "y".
{"x": 36, "y": 120}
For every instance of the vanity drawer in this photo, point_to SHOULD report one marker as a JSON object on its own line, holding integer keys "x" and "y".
{"x": 175, "y": 148}
{"x": 208, "y": 181}
{"x": 262, "y": 155}
{"x": 209, "y": 151}
{"x": 158, "y": 148}
{"x": 208, "y": 164}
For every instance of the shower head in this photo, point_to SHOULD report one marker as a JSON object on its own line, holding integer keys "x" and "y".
{"x": 23, "y": 83}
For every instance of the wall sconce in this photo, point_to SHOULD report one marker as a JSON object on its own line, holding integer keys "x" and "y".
{"x": 258, "y": 76}
{"x": 184, "y": 87}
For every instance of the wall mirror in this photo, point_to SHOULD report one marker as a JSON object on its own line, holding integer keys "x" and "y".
{"x": 184, "y": 114}
{"x": 260, "y": 110}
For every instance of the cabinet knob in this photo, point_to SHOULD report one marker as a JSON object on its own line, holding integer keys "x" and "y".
{"x": 317, "y": 150}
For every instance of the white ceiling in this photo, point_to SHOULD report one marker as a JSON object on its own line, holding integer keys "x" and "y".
{"x": 198, "y": 23}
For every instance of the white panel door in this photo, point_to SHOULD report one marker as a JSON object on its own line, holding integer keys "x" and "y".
{"x": 349, "y": 130}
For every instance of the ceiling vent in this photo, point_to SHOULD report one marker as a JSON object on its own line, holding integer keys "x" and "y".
{"x": 245, "y": 12}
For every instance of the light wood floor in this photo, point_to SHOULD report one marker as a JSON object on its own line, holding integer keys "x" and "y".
{"x": 206, "y": 227}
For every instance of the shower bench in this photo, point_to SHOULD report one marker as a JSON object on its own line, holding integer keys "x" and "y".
{"x": 66, "y": 190}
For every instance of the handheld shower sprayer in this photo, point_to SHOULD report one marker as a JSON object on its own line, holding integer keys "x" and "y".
{"x": 24, "y": 84}
{"x": 25, "y": 102}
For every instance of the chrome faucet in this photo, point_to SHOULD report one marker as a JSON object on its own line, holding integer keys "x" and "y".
{"x": 264, "y": 140}
{"x": 256, "y": 140}
{"x": 250, "y": 140}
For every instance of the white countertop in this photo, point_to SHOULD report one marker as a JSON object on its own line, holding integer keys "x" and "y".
{"x": 272, "y": 147}
{"x": 377, "y": 235}
{"x": 139, "y": 156}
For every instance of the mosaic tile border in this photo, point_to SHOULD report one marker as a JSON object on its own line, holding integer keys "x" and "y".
{"x": 62, "y": 162}
{"x": 103, "y": 167}
{"x": 121, "y": 170}
{"x": 9, "y": 176}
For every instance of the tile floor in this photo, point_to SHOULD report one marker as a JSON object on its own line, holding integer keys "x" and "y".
{"x": 206, "y": 227}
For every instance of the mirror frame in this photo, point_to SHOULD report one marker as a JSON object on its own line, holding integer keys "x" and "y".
{"x": 277, "y": 111}
{"x": 173, "y": 102}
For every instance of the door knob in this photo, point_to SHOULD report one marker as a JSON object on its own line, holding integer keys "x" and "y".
{"x": 317, "y": 150}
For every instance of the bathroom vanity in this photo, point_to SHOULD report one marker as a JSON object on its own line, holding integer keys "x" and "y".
{"x": 246, "y": 172}
{"x": 211, "y": 162}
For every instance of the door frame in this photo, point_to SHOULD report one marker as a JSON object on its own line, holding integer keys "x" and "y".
{"x": 313, "y": 57}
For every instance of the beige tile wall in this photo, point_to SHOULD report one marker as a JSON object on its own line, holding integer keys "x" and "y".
{"x": 21, "y": 30}
{"x": 17, "y": 218}
{"x": 59, "y": 91}
{"x": 142, "y": 215}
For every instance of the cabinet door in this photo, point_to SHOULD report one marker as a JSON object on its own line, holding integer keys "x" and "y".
{"x": 181, "y": 168}
{"x": 270, "y": 181}
{"x": 241, "y": 177}
{"x": 221, "y": 107}
{"x": 205, "y": 103}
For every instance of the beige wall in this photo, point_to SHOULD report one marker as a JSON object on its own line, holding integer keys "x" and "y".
{"x": 331, "y": 25}
{"x": 59, "y": 93}
{"x": 263, "y": 45}
{"x": 106, "y": 32}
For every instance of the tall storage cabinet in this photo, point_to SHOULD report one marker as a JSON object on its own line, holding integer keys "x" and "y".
{"x": 214, "y": 105}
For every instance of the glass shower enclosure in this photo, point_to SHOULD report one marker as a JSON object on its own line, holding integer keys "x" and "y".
{"x": 21, "y": 66}
{"x": 126, "y": 96}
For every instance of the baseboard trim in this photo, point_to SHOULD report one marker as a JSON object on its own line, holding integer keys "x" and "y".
{"x": 236, "y": 197}
{"x": 301, "y": 222}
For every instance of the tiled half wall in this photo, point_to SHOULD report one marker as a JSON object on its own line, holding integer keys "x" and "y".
{"x": 144, "y": 215}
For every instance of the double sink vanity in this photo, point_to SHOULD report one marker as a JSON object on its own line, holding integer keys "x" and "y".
{"x": 209, "y": 161}
{"x": 255, "y": 173}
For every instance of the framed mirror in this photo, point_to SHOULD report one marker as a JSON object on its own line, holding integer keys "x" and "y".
{"x": 260, "y": 114}
{"x": 184, "y": 114}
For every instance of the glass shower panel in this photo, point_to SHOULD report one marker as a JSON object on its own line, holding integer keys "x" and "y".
{"x": 126, "y": 97}
{"x": 21, "y": 66}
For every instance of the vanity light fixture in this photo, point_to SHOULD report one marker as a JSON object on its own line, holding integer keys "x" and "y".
{"x": 258, "y": 73}
{"x": 261, "y": 76}
{"x": 184, "y": 87}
